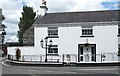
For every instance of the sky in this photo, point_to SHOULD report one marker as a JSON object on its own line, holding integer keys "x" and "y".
{"x": 12, "y": 10}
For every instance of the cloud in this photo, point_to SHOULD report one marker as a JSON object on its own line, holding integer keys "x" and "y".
{"x": 10, "y": 5}
{"x": 12, "y": 10}
{"x": 11, "y": 38}
{"x": 60, "y": 5}
{"x": 10, "y": 30}
{"x": 110, "y": 5}
{"x": 88, "y": 5}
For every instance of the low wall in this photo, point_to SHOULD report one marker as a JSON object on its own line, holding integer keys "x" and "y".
{"x": 24, "y": 50}
{"x": 30, "y": 54}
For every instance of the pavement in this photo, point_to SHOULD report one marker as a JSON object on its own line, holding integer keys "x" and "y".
{"x": 56, "y": 64}
{"x": 15, "y": 68}
{"x": 50, "y": 64}
{"x": 60, "y": 64}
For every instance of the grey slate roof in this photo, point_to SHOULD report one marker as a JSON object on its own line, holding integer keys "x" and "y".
{"x": 76, "y": 17}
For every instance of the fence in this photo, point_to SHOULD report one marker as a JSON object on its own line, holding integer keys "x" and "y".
{"x": 72, "y": 58}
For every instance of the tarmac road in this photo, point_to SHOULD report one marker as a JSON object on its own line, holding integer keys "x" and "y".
{"x": 7, "y": 70}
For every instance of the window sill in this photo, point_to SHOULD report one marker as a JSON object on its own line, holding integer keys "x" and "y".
{"x": 53, "y": 54}
{"x": 118, "y": 35}
{"x": 87, "y": 36}
{"x": 52, "y": 36}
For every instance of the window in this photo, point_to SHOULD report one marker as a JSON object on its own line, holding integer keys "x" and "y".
{"x": 52, "y": 31}
{"x": 87, "y": 32}
{"x": 81, "y": 50}
{"x": 81, "y": 58}
{"x": 53, "y": 49}
{"x": 118, "y": 30}
{"x": 93, "y": 53}
{"x": 93, "y": 50}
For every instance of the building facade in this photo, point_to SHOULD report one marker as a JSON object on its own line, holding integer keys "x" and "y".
{"x": 84, "y": 39}
{"x": 81, "y": 36}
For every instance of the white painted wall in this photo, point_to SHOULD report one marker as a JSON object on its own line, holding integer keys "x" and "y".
{"x": 24, "y": 50}
{"x": 40, "y": 33}
{"x": 118, "y": 40}
{"x": 105, "y": 38}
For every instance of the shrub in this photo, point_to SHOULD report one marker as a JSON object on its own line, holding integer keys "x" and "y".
{"x": 18, "y": 54}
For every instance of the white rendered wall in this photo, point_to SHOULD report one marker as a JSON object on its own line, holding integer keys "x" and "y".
{"x": 118, "y": 40}
{"x": 105, "y": 38}
{"x": 40, "y": 33}
{"x": 24, "y": 50}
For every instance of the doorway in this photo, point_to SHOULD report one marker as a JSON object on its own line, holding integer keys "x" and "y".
{"x": 86, "y": 53}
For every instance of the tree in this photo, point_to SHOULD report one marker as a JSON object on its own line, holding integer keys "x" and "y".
{"x": 26, "y": 21}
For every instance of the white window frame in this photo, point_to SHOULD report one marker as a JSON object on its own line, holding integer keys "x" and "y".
{"x": 118, "y": 30}
{"x": 51, "y": 48}
{"x": 52, "y": 31}
{"x": 87, "y": 31}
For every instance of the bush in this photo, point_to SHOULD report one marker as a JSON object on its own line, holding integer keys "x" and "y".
{"x": 18, "y": 54}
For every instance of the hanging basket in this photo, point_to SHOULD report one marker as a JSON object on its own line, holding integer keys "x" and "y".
{"x": 86, "y": 44}
{"x": 103, "y": 56}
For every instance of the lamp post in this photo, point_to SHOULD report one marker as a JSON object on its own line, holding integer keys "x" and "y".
{"x": 46, "y": 46}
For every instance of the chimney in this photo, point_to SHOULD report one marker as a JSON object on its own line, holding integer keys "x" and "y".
{"x": 43, "y": 8}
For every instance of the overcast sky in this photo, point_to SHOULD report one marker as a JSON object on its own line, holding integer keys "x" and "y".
{"x": 12, "y": 10}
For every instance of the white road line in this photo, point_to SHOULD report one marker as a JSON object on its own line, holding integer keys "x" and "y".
{"x": 50, "y": 71}
{"x": 97, "y": 69}
{"x": 61, "y": 71}
{"x": 33, "y": 70}
{"x": 5, "y": 64}
{"x": 71, "y": 72}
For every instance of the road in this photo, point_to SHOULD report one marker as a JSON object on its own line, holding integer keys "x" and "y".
{"x": 36, "y": 71}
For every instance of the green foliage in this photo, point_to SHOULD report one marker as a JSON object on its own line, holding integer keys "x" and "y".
{"x": 26, "y": 21}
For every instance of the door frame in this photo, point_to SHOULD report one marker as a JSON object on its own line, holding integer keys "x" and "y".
{"x": 83, "y": 45}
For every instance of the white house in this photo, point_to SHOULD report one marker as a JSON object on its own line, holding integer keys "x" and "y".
{"x": 90, "y": 36}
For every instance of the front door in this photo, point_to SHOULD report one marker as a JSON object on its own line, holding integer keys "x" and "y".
{"x": 86, "y": 53}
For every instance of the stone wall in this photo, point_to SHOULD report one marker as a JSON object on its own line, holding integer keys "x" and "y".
{"x": 28, "y": 36}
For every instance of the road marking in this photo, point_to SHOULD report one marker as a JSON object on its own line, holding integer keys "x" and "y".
{"x": 50, "y": 71}
{"x": 71, "y": 72}
{"x": 33, "y": 70}
{"x": 5, "y": 64}
{"x": 97, "y": 69}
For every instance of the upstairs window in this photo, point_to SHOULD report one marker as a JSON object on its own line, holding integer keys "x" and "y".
{"x": 118, "y": 30}
{"x": 87, "y": 32}
{"x": 52, "y": 31}
{"x": 53, "y": 49}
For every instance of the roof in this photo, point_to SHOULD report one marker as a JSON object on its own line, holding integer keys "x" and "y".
{"x": 76, "y": 17}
